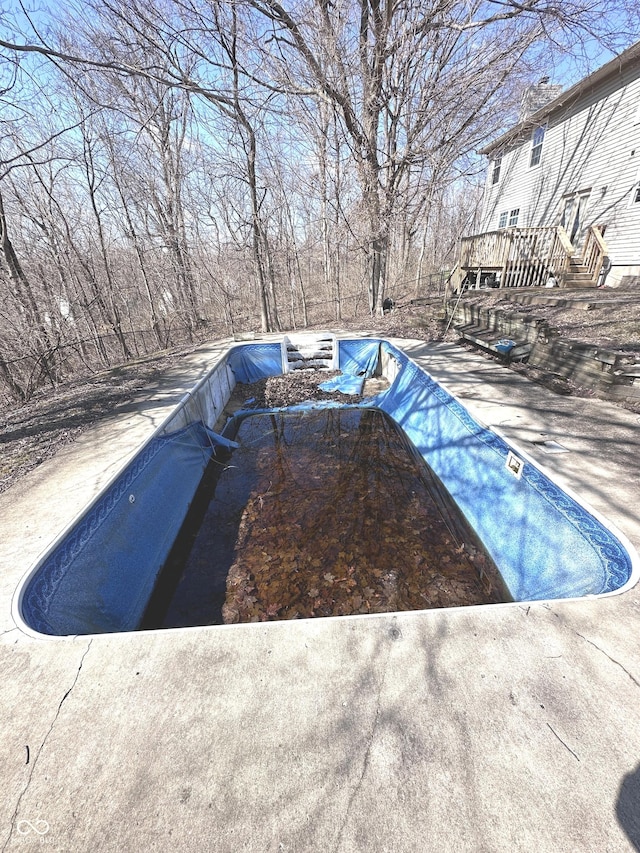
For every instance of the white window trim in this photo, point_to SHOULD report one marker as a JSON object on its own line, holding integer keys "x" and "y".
{"x": 507, "y": 215}
{"x": 496, "y": 165}
{"x": 543, "y": 128}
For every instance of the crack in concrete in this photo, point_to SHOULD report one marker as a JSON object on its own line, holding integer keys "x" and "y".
{"x": 595, "y": 646}
{"x": 607, "y": 655}
{"x": 566, "y": 746}
{"x": 41, "y": 747}
{"x": 367, "y": 754}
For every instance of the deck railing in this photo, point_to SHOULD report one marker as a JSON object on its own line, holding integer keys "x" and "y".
{"x": 526, "y": 257}
{"x": 520, "y": 256}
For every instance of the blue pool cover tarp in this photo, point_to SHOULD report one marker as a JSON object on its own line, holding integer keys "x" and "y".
{"x": 100, "y": 577}
{"x": 344, "y": 383}
{"x": 257, "y": 361}
{"x": 359, "y": 357}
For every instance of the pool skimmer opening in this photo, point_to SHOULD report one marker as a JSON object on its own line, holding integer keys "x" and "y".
{"x": 514, "y": 464}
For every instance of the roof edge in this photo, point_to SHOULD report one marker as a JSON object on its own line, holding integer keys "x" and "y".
{"x": 614, "y": 66}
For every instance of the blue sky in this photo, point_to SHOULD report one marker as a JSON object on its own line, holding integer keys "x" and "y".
{"x": 563, "y": 68}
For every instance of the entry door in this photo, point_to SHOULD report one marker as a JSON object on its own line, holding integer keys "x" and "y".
{"x": 573, "y": 215}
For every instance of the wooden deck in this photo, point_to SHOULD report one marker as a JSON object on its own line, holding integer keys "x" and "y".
{"x": 529, "y": 257}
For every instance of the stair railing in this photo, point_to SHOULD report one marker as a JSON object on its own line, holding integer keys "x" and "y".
{"x": 594, "y": 252}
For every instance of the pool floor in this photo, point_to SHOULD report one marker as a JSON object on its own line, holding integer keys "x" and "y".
{"x": 321, "y": 513}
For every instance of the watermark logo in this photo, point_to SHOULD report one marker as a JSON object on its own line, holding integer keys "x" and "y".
{"x": 27, "y": 827}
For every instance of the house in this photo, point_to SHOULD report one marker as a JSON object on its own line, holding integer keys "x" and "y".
{"x": 562, "y": 198}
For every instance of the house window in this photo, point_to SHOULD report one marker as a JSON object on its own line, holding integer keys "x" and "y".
{"x": 509, "y": 217}
{"x": 495, "y": 174}
{"x": 536, "y": 146}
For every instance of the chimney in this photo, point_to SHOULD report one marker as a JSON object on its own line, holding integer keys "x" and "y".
{"x": 538, "y": 96}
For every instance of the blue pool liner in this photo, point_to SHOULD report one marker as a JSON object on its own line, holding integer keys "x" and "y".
{"x": 545, "y": 543}
{"x": 100, "y": 575}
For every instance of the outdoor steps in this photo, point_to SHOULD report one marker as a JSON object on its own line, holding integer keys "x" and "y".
{"x": 491, "y": 340}
{"x": 615, "y": 375}
{"x": 577, "y": 277}
{"x": 559, "y": 298}
{"x": 309, "y": 351}
{"x": 577, "y": 280}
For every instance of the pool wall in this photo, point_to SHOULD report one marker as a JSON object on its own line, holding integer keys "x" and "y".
{"x": 99, "y": 574}
{"x": 544, "y": 542}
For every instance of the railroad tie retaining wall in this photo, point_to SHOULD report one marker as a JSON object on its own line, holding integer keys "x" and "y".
{"x": 611, "y": 373}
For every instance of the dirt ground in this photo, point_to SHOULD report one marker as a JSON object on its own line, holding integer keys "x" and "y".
{"x": 32, "y": 432}
{"x": 54, "y": 417}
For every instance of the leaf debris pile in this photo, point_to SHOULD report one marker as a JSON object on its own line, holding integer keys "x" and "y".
{"x": 289, "y": 389}
{"x": 339, "y": 520}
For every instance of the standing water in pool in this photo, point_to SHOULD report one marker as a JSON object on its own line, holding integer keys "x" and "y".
{"x": 322, "y": 513}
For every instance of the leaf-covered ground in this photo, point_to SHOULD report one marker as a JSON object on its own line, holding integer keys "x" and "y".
{"x": 604, "y": 317}
{"x": 54, "y": 417}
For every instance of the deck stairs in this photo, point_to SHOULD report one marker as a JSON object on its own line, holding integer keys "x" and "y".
{"x": 577, "y": 274}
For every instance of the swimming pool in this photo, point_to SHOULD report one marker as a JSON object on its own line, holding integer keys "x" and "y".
{"x": 99, "y": 575}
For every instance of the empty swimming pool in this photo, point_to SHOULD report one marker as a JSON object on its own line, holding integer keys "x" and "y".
{"x": 101, "y": 575}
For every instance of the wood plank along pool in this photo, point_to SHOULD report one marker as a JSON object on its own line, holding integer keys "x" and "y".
{"x": 319, "y": 513}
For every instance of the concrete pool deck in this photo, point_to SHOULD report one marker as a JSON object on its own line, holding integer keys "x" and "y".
{"x": 499, "y": 728}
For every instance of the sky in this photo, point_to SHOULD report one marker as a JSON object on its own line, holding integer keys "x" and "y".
{"x": 563, "y": 68}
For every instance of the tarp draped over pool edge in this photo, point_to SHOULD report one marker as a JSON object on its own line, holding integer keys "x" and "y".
{"x": 101, "y": 575}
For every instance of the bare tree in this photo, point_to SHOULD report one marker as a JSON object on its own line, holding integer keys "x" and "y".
{"x": 406, "y": 79}
{"x": 249, "y": 154}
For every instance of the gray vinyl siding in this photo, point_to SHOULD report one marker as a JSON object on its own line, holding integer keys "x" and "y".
{"x": 592, "y": 145}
